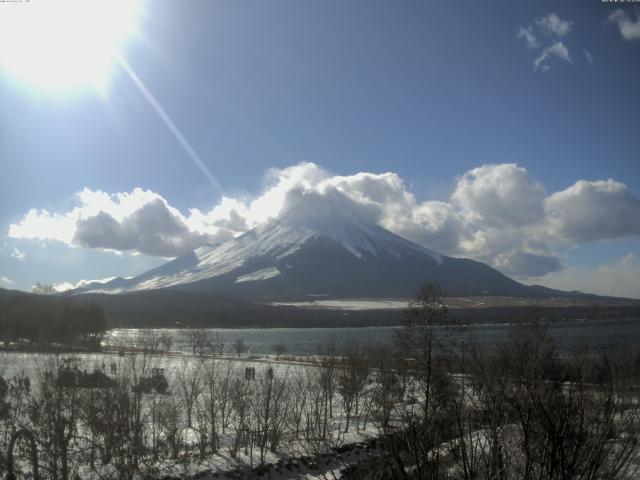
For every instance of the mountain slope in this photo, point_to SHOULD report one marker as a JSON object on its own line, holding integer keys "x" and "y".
{"x": 325, "y": 246}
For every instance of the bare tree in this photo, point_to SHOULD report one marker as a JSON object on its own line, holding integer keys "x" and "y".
{"x": 241, "y": 392}
{"x": 416, "y": 340}
{"x": 190, "y": 386}
{"x": 298, "y": 387}
{"x": 279, "y": 349}
{"x": 217, "y": 344}
{"x": 422, "y": 387}
{"x": 166, "y": 341}
{"x": 240, "y": 347}
{"x": 150, "y": 342}
{"x": 351, "y": 379}
{"x": 529, "y": 414}
{"x": 169, "y": 422}
{"x": 321, "y": 433}
{"x": 217, "y": 383}
{"x": 53, "y": 413}
{"x": 269, "y": 407}
{"x": 327, "y": 363}
{"x": 199, "y": 340}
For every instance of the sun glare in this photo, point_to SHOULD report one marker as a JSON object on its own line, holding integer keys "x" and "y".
{"x": 61, "y": 44}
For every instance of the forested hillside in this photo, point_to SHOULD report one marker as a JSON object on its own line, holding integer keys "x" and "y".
{"x": 44, "y": 320}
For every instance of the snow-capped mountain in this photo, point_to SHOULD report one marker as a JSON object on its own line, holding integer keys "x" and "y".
{"x": 323, "y": 247}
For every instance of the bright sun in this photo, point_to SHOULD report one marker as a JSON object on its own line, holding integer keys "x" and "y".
{"x": 60, "y": 44}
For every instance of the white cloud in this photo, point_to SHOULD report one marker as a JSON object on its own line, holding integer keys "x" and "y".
{"x": 42, "y": 225}
{"x": 553, "y": 25}
{"x": 589, "y": 58}
{"x": 520, "y": 252}
{"x": 619, "y": 278}
{"x": 236, "y": 215}
{"x": 18, "y": 254}
{"x": 558, "y": 50}
{"x": 530, "y": 38}
{"x": 140, "y": 222}
{"x": 546, "y": 33}
{"x": 502, "y": 195}
{"x": 432, "y": 223}
{"x": 64, "y": 286}
{"x": 561, "y": 51}
{"x": 153, "y": 229}
{"x": 6, "y": 282}
{"x": 629, "y": 28}
{"x": 589, "y": 211}
{"x": 526, "y": 265}
{"x": 435, "y": 224}
{"x": 497, "y": 213}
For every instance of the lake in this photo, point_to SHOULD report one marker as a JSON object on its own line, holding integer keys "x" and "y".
{"x": 304, "y": 341}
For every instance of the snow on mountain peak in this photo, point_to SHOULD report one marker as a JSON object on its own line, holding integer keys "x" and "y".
{"x": 335, "y": 216}
{"x": 311, "y": 216}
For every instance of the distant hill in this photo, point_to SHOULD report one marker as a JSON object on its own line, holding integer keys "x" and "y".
{"x": 176, "y": 309}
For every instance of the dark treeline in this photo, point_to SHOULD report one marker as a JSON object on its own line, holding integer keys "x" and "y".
{"x": 176, "y": 309}
{"x": 45, "y": 321}
{"x": 170, "y": 309}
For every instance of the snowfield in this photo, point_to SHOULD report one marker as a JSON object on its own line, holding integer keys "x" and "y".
{"x": 295, "y": 458}
{"x": 352, "y": 304}
{"x": 263, "y": 274}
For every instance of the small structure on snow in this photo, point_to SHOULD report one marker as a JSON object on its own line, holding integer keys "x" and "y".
{"x": 156, "y": 382}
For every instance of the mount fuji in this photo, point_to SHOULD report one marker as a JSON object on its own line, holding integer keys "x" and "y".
{"x": 323, "y": 247}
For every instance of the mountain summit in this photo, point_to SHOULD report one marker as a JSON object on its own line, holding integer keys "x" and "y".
{"x": 324, "y": 246}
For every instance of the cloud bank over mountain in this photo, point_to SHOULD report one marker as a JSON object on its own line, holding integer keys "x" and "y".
{"x": 497, "y": 213}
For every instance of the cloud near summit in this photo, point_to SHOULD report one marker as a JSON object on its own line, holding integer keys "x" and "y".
{"x": 497, "y": 213}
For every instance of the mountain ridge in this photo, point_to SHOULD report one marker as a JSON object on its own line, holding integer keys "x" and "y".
{"x": 324, "y": 245}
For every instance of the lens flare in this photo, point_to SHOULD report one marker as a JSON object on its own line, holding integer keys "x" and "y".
{"x": 62, "y": 44}
{"x": 166, "y": 119}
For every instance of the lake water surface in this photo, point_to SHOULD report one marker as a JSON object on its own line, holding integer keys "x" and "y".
{"x": 304, "y": 341}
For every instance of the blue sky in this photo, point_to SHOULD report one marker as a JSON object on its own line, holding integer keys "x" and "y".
{"x": 429, "y": 91}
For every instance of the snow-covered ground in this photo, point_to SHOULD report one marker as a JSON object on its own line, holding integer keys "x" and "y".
{"x": 263, "y": 274}
{"x": 294, "y": 459}
{"x": 353, "y": 304}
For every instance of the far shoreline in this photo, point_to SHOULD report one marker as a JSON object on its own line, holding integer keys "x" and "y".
{"x": 309, "y": 318}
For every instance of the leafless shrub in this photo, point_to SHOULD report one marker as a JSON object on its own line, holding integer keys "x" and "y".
{"x": 240, "y": 347}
